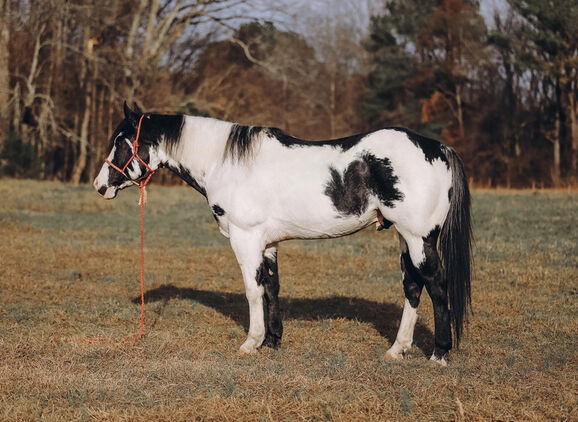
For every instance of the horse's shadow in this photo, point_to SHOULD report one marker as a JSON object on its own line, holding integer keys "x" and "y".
{"x": 385, "y": 317}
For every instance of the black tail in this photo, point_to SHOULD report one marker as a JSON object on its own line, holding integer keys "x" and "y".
{"x": 456, "y": 246}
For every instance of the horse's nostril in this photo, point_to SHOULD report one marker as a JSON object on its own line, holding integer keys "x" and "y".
{"x": 102, "y": 190}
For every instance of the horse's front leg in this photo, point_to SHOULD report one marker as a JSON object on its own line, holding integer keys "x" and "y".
{"x": 248, "y": 247}
{"x": 269, "y": 279}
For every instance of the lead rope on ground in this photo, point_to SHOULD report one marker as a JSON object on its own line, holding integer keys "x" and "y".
{"x": 142, "y": 201}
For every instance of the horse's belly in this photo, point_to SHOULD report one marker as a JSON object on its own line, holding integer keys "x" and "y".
{"x": 318, "y": 225}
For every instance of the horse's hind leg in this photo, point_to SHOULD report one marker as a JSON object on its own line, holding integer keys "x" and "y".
{"x": 269, "y": 279}
{"x": 436, "y": 285}
{"x": 412, "y": 286}
{"x": 428, "y": 268}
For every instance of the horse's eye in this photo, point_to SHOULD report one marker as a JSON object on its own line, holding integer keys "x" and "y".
{"x": 120, "y": 141}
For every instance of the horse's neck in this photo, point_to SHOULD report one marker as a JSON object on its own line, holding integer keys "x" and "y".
{"x": 199, "y": 148}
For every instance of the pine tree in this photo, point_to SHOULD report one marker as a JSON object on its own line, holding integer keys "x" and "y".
{"x": 548, "y": 40}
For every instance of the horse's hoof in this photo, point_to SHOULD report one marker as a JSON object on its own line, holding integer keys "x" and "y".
{"x": 392, "y": 355}
{"x": 271, "y": 341}
{"x": 441, "y": 361}
{"x": 246, "y": 352}
{"x": 247, "y": 349}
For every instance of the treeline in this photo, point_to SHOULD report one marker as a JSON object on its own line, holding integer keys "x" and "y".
{"x": 502, "y": 91}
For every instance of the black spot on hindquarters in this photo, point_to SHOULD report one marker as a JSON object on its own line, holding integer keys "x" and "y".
{"x": 432, "y": 149}
{"x": 367, "y": 175}
{"x": 240, "y": 142}
{"x": 431, "y": 255}
{"x": 217, "y": 210}
{"x": 291, "y": 141}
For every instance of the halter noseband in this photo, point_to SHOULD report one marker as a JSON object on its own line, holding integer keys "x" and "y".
{"x": 144, "y": 179}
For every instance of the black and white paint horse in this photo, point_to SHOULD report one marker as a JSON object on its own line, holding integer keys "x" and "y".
{"x": 264, "y": 186}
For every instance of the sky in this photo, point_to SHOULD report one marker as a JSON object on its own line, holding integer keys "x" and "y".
{"x": 300, "y": 15}
{"x": 316, "y": 21}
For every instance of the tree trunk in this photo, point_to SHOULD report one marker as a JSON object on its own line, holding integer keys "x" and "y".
{"x": 460, "y": 112}
{"x": 94, "y": 133}
{"x": 129, "y": 52}
{"x": 556, "y": 152}
{"x": 574, "y": 131}
{"x": 332, "y": 105}
{"x": 81, "y": 160}
{"x": 150, "y": 30}
{"x": 4, "y": 70}
{"x": 100, "y": 133}
{"x": 16, "y": 116}
{"x": 558, "y": 128}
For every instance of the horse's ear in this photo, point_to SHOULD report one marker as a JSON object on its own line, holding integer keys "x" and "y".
{"x": 127, "y": 110}
{"x": 137, "y": 109}
{"x": 130, "y": 115}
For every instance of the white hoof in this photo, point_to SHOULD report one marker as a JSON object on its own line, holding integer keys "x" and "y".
{"x": 440, "y": 361}
{"x": 395, "y": 352}
{"x": 392, "y": 356}
{"x": 248, "y": 348}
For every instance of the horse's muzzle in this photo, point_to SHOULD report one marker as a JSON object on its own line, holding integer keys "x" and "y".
{"x": 108, "y": 192}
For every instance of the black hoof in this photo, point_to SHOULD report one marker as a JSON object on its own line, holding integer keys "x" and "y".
{"x": 271, "y": 341}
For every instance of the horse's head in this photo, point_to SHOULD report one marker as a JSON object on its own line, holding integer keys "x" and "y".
{"x": 124, "y": 166}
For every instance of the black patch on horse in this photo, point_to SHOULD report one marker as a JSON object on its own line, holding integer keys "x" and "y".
{"x": 184, "y": 174}
{"x": 128, "y": 131}
{"x": 432, "y": 149}
{"x": 217, "y": 210}
{"x": 291, "y": 141}
{"x": 241, "y": 141}
{"x": 364, "y": 176}
{"x": 161, "y": 126}
{"x": 268, "y": 277}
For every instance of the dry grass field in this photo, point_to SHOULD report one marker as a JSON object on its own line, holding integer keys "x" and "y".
{"x": 69, "y": 268}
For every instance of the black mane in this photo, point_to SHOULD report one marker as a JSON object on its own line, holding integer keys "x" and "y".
{"x": 240, "y": 141}
{"x": 157, "y": 126}
{"x": 291, "y": 141}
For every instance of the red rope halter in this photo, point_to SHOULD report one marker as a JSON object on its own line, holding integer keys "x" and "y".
{"x": 145, "y": 179}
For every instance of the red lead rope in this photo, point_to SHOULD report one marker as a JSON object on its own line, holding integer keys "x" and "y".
{"x": 141, "y": 186}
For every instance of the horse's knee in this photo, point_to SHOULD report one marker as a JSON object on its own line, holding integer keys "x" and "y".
{"x": 437, "y": 293}
{"x": 254, "y": 293}
{"x": 412, "y": 284}
{"x": 430, "y": 268}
